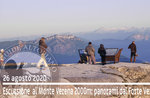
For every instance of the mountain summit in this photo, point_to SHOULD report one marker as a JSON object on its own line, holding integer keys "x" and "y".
{"x": 64, "y": 44}
{"x": 140, "y": 36}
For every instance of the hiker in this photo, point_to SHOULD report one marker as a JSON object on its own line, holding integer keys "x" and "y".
{"x": 91, "y": 53}
{"x": 42, "y": 51}
{"x": 132, "y": 47}
{"x": 102, "y": 53}
{"x": 2, "y": 57}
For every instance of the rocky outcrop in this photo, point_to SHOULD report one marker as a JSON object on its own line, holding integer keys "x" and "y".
{"x": 126, "y": 72}
{"x": 113, "y": 73}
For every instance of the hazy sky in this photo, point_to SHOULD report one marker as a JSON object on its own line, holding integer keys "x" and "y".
{"x": 33, "y": 17}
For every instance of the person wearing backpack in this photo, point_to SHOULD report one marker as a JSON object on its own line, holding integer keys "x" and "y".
{"x": 91, "y": 53}
{"x": 42, "y": 52}
{"x": 133, "y": 49}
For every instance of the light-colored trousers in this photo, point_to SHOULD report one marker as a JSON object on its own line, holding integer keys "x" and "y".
{"x": 91, "y": 59}
{"x": 42, "y": 60}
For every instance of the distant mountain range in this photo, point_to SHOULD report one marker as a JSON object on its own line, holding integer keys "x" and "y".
{"x": 65, "y": 47}
{"x": 98, "y": 34}
{"x": 116, "y": 33}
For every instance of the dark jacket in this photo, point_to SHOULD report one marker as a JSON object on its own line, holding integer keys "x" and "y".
{"x": 132, "y": 47}
{"x": 102, "y": 52}
{"x": 90, "y": 50}
{"x": 42, "y": 47}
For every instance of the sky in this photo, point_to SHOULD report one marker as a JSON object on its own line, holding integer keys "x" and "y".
{"x": 39, "y": 17}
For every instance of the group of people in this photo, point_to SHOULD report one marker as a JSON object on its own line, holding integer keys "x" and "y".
{"x": 102, "y": 52}
{"x": 89, "y": 49}
{"x": 91, "y": 53}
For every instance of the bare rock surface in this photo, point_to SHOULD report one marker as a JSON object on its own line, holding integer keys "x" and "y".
{"x": 113, "y": 73}
{"x": 120, "y": 72}
{"x": 110, "y": 73}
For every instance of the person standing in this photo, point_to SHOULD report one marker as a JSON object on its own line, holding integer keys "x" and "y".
{"x": 91, "y": 53}
{"x": 42, "y": 51}
{"x": 133, "y": 49}
{"x": 2, "y": 57}
{"x": 102, "y": 53}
